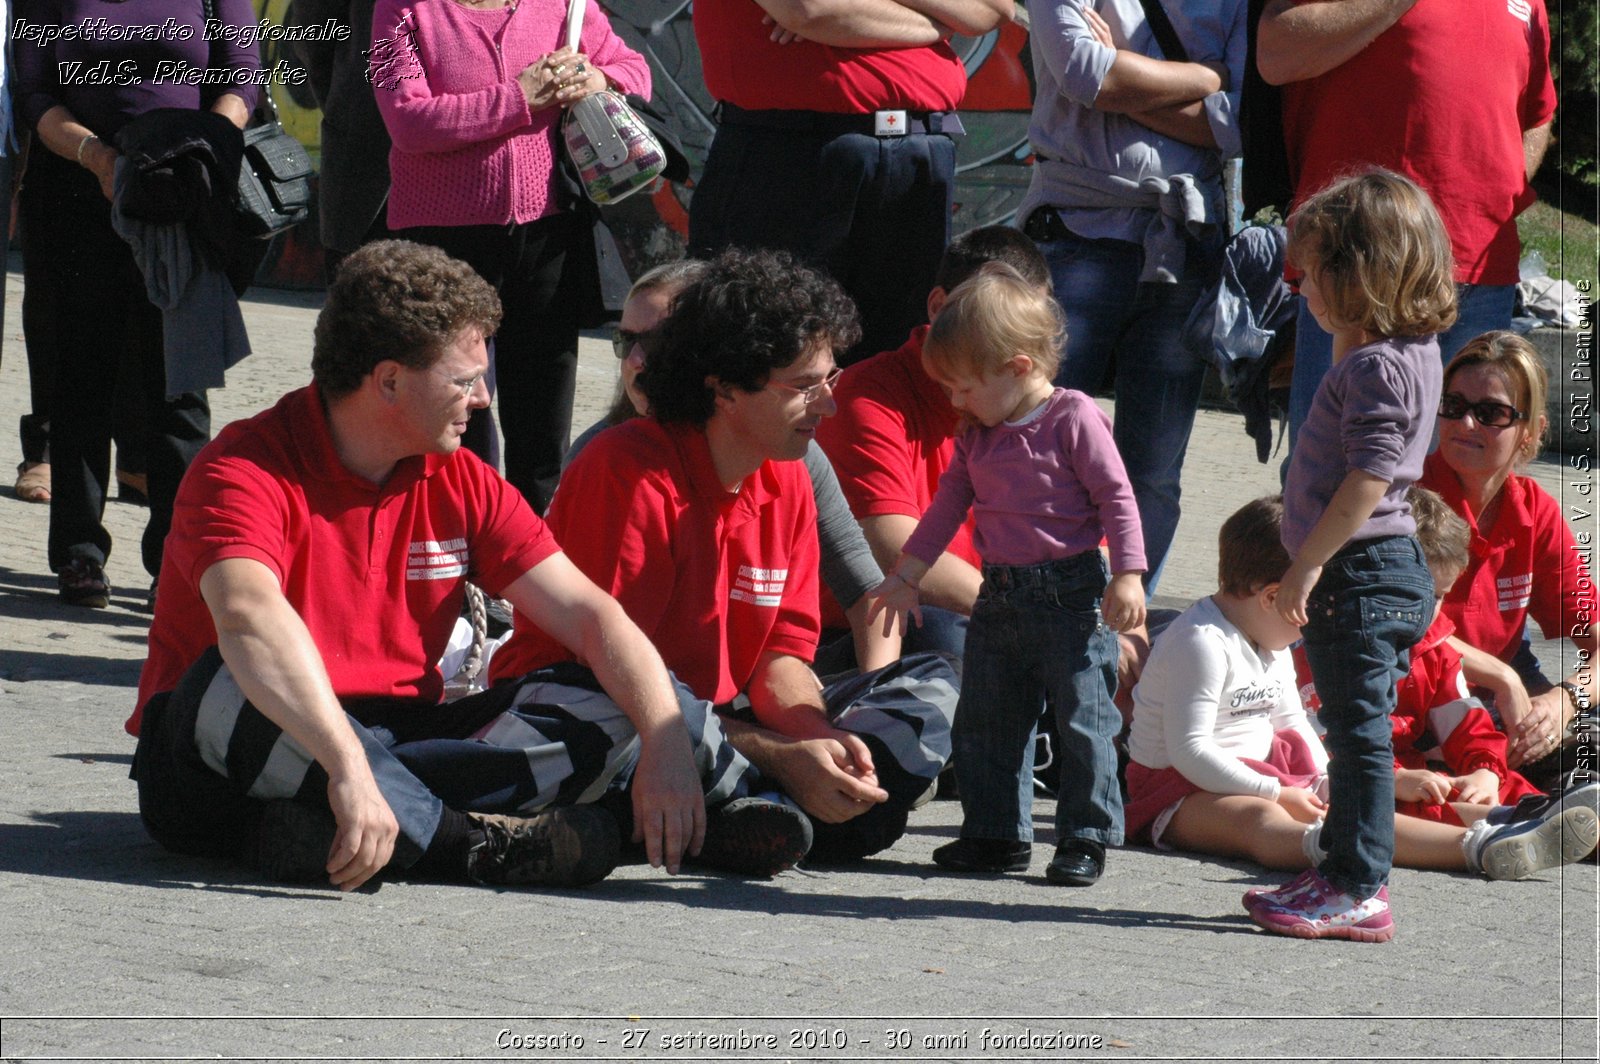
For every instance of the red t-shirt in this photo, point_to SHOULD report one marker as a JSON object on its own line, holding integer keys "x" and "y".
{"x": 377, "y": 573}
{"x": 1527, "y": 565}
{"x": 893, "y": 438}
{"x": 743, "y": 66}
{"x": 714, "y": 579}
{"x": 1442, "y": 96}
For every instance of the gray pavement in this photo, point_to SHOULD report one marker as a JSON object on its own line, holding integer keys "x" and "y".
{"x": 111, "y": 948}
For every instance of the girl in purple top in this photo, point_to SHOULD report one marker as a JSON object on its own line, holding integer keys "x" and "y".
{"x": 1038, "y": 467}
{"x": 1377, "y": 278}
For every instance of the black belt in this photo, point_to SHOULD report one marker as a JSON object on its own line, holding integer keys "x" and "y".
{"x": 836, "y": 124}
{"x": 1045, "y": 224}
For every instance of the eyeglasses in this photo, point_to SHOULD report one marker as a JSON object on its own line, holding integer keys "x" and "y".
{"x": 1454, "y": 407}
{"x": 811, "y": 393}
{"x": 464, "y": 385}
{"x": 622, "y": 340}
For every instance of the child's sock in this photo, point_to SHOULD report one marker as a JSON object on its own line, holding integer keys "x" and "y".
{"x": 1311, "y": 844}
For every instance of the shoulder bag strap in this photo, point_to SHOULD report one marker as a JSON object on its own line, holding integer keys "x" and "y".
{"x": 574, "y": 23}
{"x": 1166, "y": 36}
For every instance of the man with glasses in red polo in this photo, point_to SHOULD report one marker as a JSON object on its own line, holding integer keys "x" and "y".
{"x": 699, "y": 519}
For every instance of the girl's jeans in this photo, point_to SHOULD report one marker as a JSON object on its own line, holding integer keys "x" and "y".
{"x": 1036, "y": 633}
{"x": 1373, "y": 602}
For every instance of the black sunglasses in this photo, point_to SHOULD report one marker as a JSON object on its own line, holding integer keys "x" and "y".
{"x": 622, "y": 340}
{"x": 1454, "y": 407}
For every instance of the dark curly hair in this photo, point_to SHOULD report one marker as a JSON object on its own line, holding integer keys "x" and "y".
{"x": 394, "y": 299}
{"x": 750, "y": 313}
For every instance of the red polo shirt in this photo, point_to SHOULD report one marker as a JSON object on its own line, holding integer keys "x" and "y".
{"x": 1442, "y": 96}
{"x": 376, "y": 572}
{"x": 714, "y": 579}
{"x": 743, "y": 66}
{"x": 1527, "y": 565}
{"x": 893, "y": 438}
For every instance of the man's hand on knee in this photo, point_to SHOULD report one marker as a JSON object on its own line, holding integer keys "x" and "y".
{"x": 365, "y": 839}
{"x": 669, "y": 810}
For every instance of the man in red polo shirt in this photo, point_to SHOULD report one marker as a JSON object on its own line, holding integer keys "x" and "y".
{"x": 834, "y": 141}
{"x": 1454, "y": 94}
{"x": 700, "y": 520}
{"x": 289, "y": 708}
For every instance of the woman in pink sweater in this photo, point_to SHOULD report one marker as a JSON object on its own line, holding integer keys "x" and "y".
{"x": 472, "y": 92}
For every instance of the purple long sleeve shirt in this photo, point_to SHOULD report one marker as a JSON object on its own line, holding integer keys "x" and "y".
{"x": 110, "y": 61}
{"x": 1048, "y": 487}
{"x": 1374, "y": 411}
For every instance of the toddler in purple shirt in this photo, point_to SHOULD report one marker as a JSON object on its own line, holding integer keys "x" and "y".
{"x": 1378, "y": 278}
{"x": 1038, "y": 467}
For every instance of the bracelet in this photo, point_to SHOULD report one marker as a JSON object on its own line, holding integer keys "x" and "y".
{"x": 901, "y": 577}
{"x": 1576, "y": 695}
{"x": 84, "y": 143}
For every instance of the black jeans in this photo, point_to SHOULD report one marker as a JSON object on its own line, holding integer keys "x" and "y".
{"x": 535, "y": 362}
{"x": 108, "y": 350}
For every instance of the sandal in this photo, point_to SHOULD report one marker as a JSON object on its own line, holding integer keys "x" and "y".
{"x": 33, "y": 481}
{"x": 133, "y": 488}
{"x": 83, "y": 583}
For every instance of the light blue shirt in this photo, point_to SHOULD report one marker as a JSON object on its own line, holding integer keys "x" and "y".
{"x": 1070, "y": 66}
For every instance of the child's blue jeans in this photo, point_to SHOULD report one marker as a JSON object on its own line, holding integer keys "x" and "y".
{"x": 1036, "y": 632}
{"x": 1372, "y": 603}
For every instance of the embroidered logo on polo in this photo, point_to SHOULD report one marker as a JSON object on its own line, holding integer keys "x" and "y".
{"x": 760, "y": 587}
{"x": 1514, "y": 591}
{"x": 429, "y": 559}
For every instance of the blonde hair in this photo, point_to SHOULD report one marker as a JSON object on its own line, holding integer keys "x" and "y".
{"x": 992, "y": 317}
{"x": 1379, "y": 253}
{"x": 1518, "y": 362}
{"x": 1444, "y": 536}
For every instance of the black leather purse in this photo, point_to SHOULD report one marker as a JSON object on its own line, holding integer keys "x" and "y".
{"x": 274, "y": 179}
{"x": 275, "y": 176}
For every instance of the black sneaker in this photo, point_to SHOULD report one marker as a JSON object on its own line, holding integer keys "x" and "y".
{"x": 570, "y": 846}
{"x": 990, "y": 856}
{"x": 293, "y": 842}
{"x": 754, "y": 837}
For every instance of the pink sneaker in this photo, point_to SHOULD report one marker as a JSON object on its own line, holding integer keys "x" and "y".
{"x": 1321, "y": 910}
{"x": 1257, "y": 896}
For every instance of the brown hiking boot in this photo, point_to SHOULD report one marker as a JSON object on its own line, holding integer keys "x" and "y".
{"x": 569, "y": 846}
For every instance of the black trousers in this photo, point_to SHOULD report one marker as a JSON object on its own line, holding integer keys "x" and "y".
{"x": 109, "y": 351}
{"x": 533, "y": 267}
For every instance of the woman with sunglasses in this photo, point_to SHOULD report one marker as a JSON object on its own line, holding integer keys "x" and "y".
{"x": 848, "y": 568}
{"x": 1525, "y": 561}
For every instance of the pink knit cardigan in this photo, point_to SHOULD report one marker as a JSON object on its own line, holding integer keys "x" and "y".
{"x": 467, "y": 151}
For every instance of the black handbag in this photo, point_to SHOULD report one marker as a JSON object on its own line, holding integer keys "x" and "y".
{"x": 274, "y": 179}
{"x": 275, "y": 176}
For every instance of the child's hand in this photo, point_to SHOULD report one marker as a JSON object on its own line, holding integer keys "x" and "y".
{"x": 1293, "y": 591}
{"x": 894, "y": 598}
{"x": 1421, "y": 785}
{"x": 1123, "y": 605}
{"x": 1302, "y": 804}
{"x": 1479, "y": 787}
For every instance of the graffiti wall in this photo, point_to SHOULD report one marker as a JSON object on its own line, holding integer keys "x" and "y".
{"x": 991, "y": 160}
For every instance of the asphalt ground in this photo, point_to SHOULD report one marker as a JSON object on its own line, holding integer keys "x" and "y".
{"x": 111, "y": 948}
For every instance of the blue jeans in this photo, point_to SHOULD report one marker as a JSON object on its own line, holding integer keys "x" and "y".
{"x": 1118, "y": 328}
{"x": 1373, "y": 602}
{"x": 1480, "y": 308}
{"x": 1036, "y": 633}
